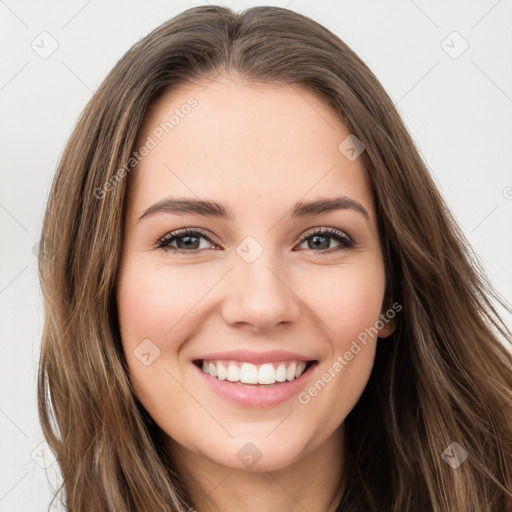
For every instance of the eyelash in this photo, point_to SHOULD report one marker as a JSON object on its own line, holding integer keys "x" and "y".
{"x": 346, "y": 242}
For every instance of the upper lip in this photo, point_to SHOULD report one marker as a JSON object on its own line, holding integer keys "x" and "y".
{"x": 255, "y": 357}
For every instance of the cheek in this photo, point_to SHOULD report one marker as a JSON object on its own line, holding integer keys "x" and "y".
{"x": 153, "y": 305}
{"x": 348, "y": 300}
{"x": 154, "y": 313}
{"x": 151, "y": 310}
{"x": 348, "y": 303}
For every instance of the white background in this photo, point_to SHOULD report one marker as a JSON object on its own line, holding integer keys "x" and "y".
{"x": 459, "y": 111}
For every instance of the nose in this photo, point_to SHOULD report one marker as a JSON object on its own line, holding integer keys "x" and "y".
{"x": 260, "y": 295}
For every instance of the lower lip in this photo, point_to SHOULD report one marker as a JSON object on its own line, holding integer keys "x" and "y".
{"x": 260, "y": 396}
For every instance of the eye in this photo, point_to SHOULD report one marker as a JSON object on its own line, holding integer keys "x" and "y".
{"x": 319, "y": 239}
{"x": 185, "y": 238}
{"x": 188, "y": 241}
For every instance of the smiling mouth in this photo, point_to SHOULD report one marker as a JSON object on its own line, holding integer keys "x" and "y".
{"x": 255, "y": 375}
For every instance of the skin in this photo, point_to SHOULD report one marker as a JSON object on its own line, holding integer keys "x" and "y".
{"x": 259, "y": 149}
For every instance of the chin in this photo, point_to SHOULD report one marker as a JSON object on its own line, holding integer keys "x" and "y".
{"x": 257, "y": 455}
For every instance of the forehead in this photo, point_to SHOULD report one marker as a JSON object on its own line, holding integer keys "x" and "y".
{"x": 248, "y": 145}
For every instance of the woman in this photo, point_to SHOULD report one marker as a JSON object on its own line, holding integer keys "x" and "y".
{"x": 200, "y": 353}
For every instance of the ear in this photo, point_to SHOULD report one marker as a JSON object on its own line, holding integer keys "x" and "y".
{"x": 389, "y": 326}
{"x": 388, "y": 319}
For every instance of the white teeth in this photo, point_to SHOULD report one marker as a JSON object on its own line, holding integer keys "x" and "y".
{"x": 221, "y": 372}
{"x": 266, "y": 374}
{"x": 233, "y": 374}
{"x": 212, "y": 370}
{"x": 281, "y": 373}
{"x": 248, "y": 373}
{"x": 290, "y": 372}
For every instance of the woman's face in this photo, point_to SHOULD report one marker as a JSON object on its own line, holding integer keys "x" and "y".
{"x": 257, "y": 290}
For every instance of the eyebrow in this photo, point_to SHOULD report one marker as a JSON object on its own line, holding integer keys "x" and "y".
{"x": 214, "y": 209}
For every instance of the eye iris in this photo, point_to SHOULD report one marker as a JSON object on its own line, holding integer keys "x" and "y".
{"x": 316, "y": 244}
{"x": 187, "y": 244}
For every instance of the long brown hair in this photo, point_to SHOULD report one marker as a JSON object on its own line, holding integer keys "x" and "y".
{"x": 443, "y": 376}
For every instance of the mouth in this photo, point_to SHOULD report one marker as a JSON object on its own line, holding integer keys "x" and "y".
{"x": 265, "y": 375}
